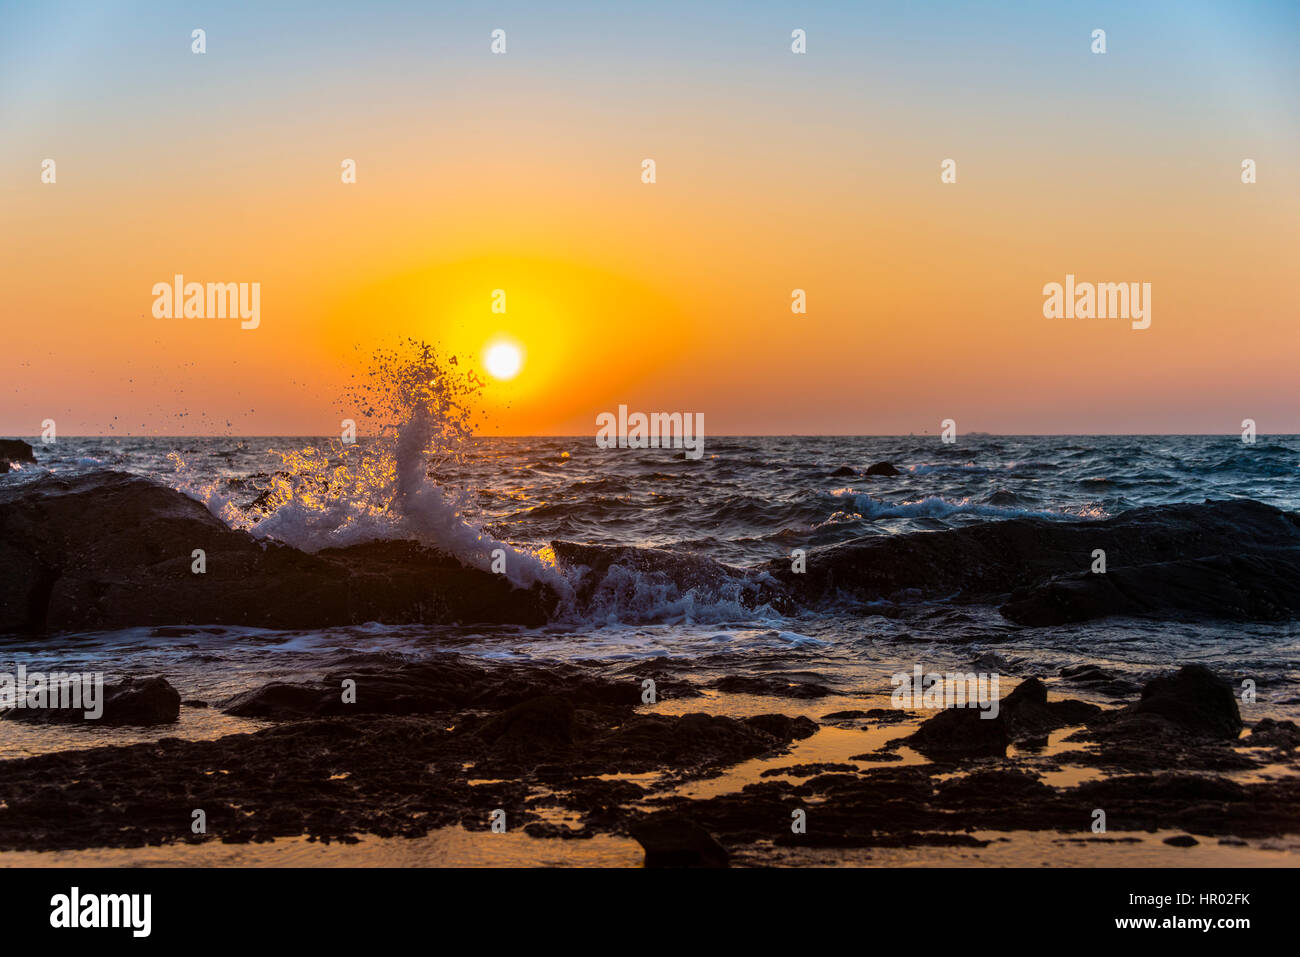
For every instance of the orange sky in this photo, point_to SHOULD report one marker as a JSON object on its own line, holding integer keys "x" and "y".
{"x": 924, "y": 299}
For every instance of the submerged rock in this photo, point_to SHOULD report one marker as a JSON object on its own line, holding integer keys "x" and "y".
{"x": 883, "y": 468}
{"x": 672, "y": 841}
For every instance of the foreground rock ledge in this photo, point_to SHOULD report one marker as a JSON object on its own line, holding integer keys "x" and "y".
{"x": 448, "y": 741}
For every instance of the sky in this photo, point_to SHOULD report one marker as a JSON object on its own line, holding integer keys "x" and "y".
{"x": 774, "y": 171}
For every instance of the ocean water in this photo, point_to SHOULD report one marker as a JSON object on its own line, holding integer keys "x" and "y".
{"x": 747, "y": 501}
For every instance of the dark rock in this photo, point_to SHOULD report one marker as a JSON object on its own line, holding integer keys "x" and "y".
{"x": 883, "y": 468}
{"x": 1274, "y": 734}
{"x": 783, "y": 727}
{"x": 1195, "y": 699}
{"x": 843, "y": 472}
{"x": 1023, "y": 715}
{"x": 671, "y": 841}
{"x": 446, "y": 683}
{"x": 808, "y": 770}
{"x": 278, "y": 700}
{"x": 1236, "y": 560}
{"x": 774, "y": 685}
{"x": 1182, "y": 840}
{"x": 15, "y": 450}
{"x": 109, "y": 550}
{"x": 1261, "y": 587}
{"x": 851, "y": 718}
{"x": 540, "y": 723}
{"x": 142, "y": 701}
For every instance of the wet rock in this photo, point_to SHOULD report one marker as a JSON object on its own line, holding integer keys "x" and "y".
{"x": 649, "y": 742}
{"x": 15, "y": 450}
{"x": 783, "y": 727}
{"x": 1274, "y": 734}
{"x": 774, "y": 685}
{"x": 109, "y": 550}
{"x": 852, "y": 718}
{"x": 672, "y": 841}
{"x": 1182, "y": 840}
{"x": 883, "y": 468}
{"x": 1023, "y": 715}
{"x": 1237, "y": 587}
{"x": 1237, "y": 560}
{"x": 132, "y": 701}
{"x": 1196, "y": 700}
{"x": 808, "y": 770}
{"x": 540, "y": 723}
{"x": 843, "y": 472}
{"x": 447, "y": 682}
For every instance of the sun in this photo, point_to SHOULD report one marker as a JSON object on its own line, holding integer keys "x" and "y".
{"x": 503, "y": 360}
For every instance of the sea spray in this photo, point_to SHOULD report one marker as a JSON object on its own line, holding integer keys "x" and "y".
{"x": 418, "y": 410}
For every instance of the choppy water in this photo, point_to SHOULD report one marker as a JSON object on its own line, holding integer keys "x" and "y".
{"x": 748, "y": 500}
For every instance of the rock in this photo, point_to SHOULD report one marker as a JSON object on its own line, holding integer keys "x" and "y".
{"x": 109, "y": 550}
{"x": 1237, "y": 560}
{"x": 1182, "y": 840}
{"x": 1023, "y": 715}
{"x": 1196, "y": 699}
{"x": 774, "y": 685}
{"x": 142, "y": 701}
{"x": 671, "y": 841}
{"x": 843, "y": 472}
{"x": 540, "y": 723}
{"x": 1274, "y": 734}
{"x": 447, "y": 682}
{"x": 279, "y": 700}
{"x": 15, "y": 450}
{"x": 956, "y": 733}
{"x": 783, "y": 727}
{"x": 883, "y": 468}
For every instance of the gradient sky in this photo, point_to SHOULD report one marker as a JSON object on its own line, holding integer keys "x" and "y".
{"x": 775, "y": 172}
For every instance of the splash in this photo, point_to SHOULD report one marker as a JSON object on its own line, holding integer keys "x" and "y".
{"x": 416, "y": 411}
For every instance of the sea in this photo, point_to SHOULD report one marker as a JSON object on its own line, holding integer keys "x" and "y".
{"x": 746, "y": 501}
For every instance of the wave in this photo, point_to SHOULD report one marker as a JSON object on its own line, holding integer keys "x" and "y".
{"x": 421, "y": 410}
{"x": 938, "y": 507}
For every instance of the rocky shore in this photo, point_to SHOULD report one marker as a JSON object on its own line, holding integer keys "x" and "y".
{"x": 110, "y": 550}
{"x": 571, "y": 752}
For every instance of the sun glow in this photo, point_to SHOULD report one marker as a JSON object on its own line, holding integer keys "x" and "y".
{"x": 503, "y": 360}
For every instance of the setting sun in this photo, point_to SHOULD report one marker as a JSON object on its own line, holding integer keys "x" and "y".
{"x": 503, "y": 360}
